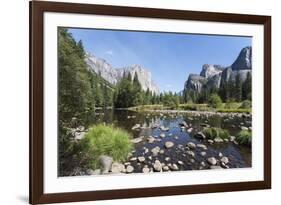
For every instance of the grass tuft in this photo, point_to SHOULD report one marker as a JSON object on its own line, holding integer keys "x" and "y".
{"x": 106, "y": 140}
{"x": 213, "y": 132}
{"x": 244, "y": 137}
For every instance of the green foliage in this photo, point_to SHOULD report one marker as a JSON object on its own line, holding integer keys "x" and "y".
{"x": 195, "y": 107}
{"x": 213, "y": 132}
{"x": 244, "y": 137}
{"x": 71, "y": 153}
{"x": 75, "y": 94}
{"x": 171, "y": 100}
{"x": 106, "y": 140}
{"x": 237, "y": 91}
{"x": 215, "y": 101}
{"x": 246, "y": 104}
{"x": 231, "y": 104}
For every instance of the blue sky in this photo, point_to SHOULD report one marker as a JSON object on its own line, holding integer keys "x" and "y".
{"x": 170, "y": 57}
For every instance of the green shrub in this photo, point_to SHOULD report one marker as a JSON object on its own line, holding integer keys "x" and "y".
{"x": 106, "y": 140}
{"x": 246, "y": 104}
{"x": 231, "y": 104}
{"x": 244, "y": 137}
{"x": 215, "y": 101}
{"x": 213, "y": 132}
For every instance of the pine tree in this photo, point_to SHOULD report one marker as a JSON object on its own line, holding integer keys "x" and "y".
{"x": 247, "y": 88}
{"x": 238, "y": 88}
{"x": 75, "y": 95}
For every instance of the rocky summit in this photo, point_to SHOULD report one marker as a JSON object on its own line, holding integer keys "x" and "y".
{"x": 114, "y": 75}
{"x": 211, "y": 76}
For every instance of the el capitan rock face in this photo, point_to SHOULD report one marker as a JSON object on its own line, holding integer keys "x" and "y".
{"x": 114, "y": 75}
{"x": 211, "y": 76}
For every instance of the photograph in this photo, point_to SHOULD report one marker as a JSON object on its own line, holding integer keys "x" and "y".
{"x": 143, "y": 102}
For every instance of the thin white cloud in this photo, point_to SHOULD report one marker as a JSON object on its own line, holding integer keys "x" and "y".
{"x": 109, "y": 52}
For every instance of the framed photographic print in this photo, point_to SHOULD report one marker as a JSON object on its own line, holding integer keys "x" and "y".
{"x": 138, "y": 102}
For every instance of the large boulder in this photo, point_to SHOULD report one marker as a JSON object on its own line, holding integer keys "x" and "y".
{"x": 105, "y": 162}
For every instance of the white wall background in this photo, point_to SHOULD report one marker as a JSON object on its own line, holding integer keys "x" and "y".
{"x": 14, "y": 100}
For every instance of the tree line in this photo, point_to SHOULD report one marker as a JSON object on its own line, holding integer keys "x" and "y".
{"x": 129, "y": 93}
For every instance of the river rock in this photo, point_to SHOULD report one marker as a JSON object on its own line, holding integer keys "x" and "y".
{"x": 200, "y": 135}
{"x": 190, "y": 153}
{"x": 202, "y": 146}
{"x": 169, "y": 144}
{"x": 220, "y": 154}
{"x": 224, "y": 160}
{"x": 129, "y": 169}
{"x": 165, "y": 129}
{"x": 180, "y": 162}
{"x": 190, "y": 130}
{"x": 136, "y": 126}
{"x": 137, "y": 140}
{"x": 117, "y": 167}
{"x": 162, "y": 135}
{"x": 244, "y": 128}
{"x": 218, "y": 140}
{"x": 79, "y": 135}
{"x": 203, "y": 164}
{"x": 155, "y": 151}
{"x": 167, "y": 159}
{"x": 191, "y": 145}
{"x": 133, "y": 159}
{"x": 174, "y": 167}
{"x": 141, "y": 159}
{"x": 105, "y": 162}
{"x": 203, "y": 154}
{"x": 81, "y": 128}
{"x": 93, "y": 172}
{"x": 157, "y": 166}
{"x": 166, "y": 168}
{"x": 161, "y": 151}
{"x": 211, "y": 141}
{"x": 212, "y": 161}
{"x": 145, "y": 170}
{"x": 146, "y": 150}
{"x": 232, "y": 138}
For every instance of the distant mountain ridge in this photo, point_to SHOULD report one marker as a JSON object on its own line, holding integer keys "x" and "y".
{"x": 211, "y": 76}
{"x": 114, "y": 75}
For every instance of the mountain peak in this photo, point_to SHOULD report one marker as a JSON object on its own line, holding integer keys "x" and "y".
{"x": 244, "y": 60}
